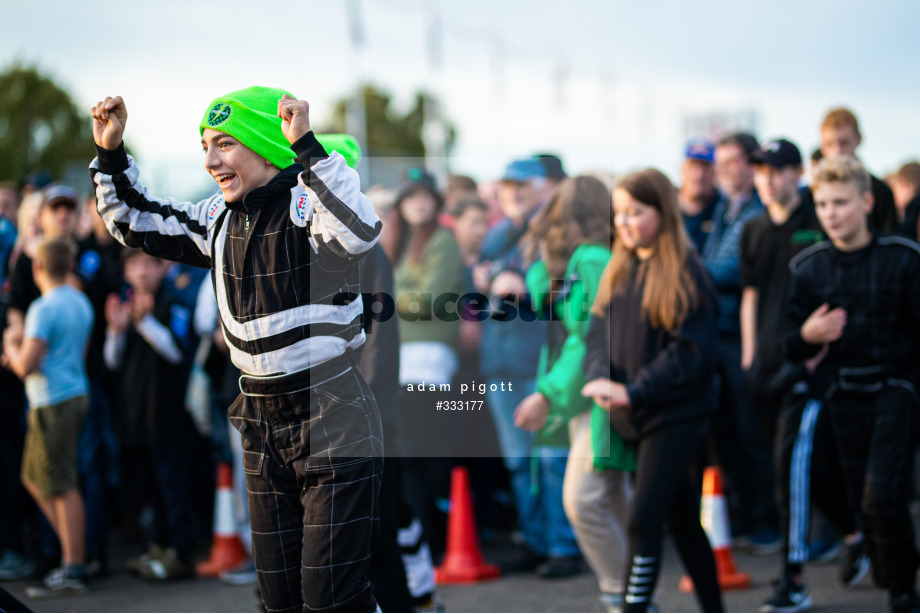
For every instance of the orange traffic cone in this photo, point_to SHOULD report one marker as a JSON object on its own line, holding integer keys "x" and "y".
{"x": 463, "y": 563}
{"x": 226, "y": 550}
{"x": 714, "y": 517}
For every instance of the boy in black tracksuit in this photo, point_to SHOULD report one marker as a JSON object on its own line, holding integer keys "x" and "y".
{"x": 283, "y": 240}
{"x": 857, "y": 298}
{"x": 785, "y": 393}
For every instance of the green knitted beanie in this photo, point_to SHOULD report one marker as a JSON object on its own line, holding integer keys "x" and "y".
{"x": 251, "y": 116}
{"x": 345, "y": 144}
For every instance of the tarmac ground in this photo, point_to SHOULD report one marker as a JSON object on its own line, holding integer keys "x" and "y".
{"x": 122, "y": 592}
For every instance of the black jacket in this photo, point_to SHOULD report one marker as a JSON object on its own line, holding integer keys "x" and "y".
{"x": 150, "y": 402}
{"x": 878, "y": 285}
{"x": 378, "y": 358}
{"x": 908, "y": 227}
{"x": 669, "y": 376}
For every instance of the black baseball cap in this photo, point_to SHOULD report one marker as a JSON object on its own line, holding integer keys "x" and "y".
{"x": 553, "y": 165}
{"x": 778, "y": 153}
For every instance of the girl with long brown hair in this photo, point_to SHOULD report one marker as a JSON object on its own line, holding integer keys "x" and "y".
{"x": 650, "y": 362}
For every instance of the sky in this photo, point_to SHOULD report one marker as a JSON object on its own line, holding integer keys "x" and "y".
{"x": 609, "y": 85}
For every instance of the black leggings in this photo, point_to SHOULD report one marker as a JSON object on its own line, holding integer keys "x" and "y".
{"x": 664, "y": 492}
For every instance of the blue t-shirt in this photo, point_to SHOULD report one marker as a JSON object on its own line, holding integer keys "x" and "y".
{"x": 63, "y": 319}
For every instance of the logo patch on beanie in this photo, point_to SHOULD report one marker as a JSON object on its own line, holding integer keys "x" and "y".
{"x": 219, "y": 114}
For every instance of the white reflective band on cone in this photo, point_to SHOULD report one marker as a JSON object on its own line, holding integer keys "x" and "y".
{"x": 224, "y": 525}
{"x": 714, "y": 518}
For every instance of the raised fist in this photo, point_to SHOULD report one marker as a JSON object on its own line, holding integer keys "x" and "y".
{"x": 295, "y": 117}
{"x": 109, "y": 118}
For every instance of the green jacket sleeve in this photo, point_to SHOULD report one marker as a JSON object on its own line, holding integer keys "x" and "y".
{"x": 561, "y": 377}
{"x": 610, "y": 451}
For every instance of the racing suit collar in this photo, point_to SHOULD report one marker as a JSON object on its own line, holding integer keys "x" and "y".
{"x": 269, "y": 193}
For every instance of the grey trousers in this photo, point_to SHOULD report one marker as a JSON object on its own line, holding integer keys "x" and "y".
{"x": 596, "y": 503}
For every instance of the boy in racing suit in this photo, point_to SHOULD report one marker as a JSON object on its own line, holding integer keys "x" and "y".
{"x": 283, "y": 240}
{"x": 855, "y": 301}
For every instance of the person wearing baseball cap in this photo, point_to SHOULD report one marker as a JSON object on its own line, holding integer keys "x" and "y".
{"x": 555, "y": 173}
{"x": 510, "y": 352}
{"x": 283, "y": 239}
{"x": 697, "y": 195}
{"x": 58, "y": 212}
{"x": 57, "y": 217}
{"x": 60, "y": 194}
{"x": 523, "y": 189}
{"x": 777, "y": 173}
{"x": 778, "y": 153}
{"x": 523, "y": 170}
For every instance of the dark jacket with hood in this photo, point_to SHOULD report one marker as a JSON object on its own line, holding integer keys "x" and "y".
{"x": 669, "y": 375}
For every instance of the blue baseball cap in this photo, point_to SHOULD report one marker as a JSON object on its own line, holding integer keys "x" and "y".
{"x": 524, "y": 170}
{"x": 701, "y": 149}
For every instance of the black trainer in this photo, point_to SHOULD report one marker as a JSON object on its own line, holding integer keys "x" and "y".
{"x": 855, "y": 564}
{"x": 526, "y": 561}
{"x": 790, "y": 596}
{"x": 559, "y": 567}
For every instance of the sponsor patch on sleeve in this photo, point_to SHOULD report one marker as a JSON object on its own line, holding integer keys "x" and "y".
{"x": 214, "y": 208}
{"x": 301, "y": 209}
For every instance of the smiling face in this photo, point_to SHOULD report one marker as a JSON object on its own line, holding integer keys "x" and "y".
{"x": 637, "y": 223}
{"x": 236, "y": 168}
{"x": 842, "y": 211}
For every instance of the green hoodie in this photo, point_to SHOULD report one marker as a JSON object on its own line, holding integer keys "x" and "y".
{"x": 561, "y": 375}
